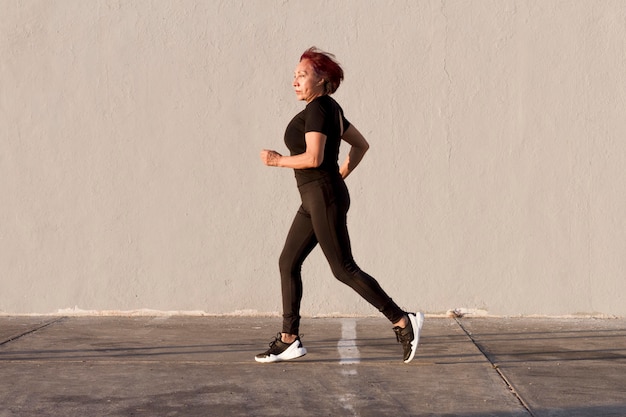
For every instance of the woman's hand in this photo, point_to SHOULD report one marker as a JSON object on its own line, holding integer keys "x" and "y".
{"x": 270, "y": 158}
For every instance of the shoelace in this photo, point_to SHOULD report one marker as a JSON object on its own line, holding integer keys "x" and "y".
{"x": 276, "y": 339}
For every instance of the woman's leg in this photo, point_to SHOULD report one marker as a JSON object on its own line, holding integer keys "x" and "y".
{"x": 298, "y": 245}
{"x": 328, "y": 206}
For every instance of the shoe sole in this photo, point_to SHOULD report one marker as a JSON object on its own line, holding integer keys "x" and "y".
{"x": 292, "y": 352}
{"x": 417, "y": 321}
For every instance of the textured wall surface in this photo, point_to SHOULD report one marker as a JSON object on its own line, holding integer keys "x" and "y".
{"x": 130, "y": 134}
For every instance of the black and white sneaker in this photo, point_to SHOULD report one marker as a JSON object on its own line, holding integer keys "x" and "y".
{"x": 281, "y": 351}
{"x": 410, "y": 335}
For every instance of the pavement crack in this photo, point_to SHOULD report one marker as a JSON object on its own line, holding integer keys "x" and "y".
{"x": 30, "y": 331}
{"x": 496, "y": 368}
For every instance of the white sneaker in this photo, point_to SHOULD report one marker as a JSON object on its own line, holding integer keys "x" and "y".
{"x": 281, "y": 351}
{"x": 409, "y": 336}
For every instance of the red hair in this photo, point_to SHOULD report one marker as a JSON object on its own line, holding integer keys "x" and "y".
{"x": 325, "y": 66}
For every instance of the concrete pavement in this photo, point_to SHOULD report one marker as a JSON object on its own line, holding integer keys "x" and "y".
{"x": 204, "y": 366}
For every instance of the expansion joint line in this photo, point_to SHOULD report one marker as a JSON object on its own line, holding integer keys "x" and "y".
{"x": 497, "y": 369}
{"x": 42, "y": 326}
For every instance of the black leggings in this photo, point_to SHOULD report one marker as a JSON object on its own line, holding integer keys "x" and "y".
{"x": 322, "y": 219}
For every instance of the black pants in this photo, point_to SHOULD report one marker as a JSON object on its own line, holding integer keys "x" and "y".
{"x": 322, "y": 219}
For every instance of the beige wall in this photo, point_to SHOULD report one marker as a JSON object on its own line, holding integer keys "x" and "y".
{"x": 130, "y": 132}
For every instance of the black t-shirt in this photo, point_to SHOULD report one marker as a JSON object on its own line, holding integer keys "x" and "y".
{"x": 320, "y": 115}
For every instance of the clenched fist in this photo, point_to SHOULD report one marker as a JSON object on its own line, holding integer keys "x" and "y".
{"x": 270, "y": 158}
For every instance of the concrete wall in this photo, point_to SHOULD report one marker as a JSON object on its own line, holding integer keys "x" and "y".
{"x": 130, "y": 133}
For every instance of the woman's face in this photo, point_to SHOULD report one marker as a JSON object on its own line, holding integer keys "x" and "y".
{"x": 307, "y": 84}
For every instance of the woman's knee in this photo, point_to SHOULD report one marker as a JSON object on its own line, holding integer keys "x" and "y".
{"x": 287, "y": 264}
{"x": 345, "y": 271}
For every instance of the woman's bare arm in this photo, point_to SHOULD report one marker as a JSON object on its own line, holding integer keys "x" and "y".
{"x": 358, "y": 148}
{"x": 311, "y": 158}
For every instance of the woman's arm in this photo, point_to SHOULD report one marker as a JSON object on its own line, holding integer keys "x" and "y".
{"x": 311, "y": 158}
{"x": 357, "y": 151}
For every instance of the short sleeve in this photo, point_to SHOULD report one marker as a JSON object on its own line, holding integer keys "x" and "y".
{"x": 315, "y": 119}
{"x": 346, "y": 123}
{"x": 320, "y": 116}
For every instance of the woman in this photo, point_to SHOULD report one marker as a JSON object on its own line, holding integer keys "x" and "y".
{"x": 313, "y": 137}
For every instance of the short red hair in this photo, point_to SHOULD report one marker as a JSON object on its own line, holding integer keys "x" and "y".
{"x": 325, "y": 66}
